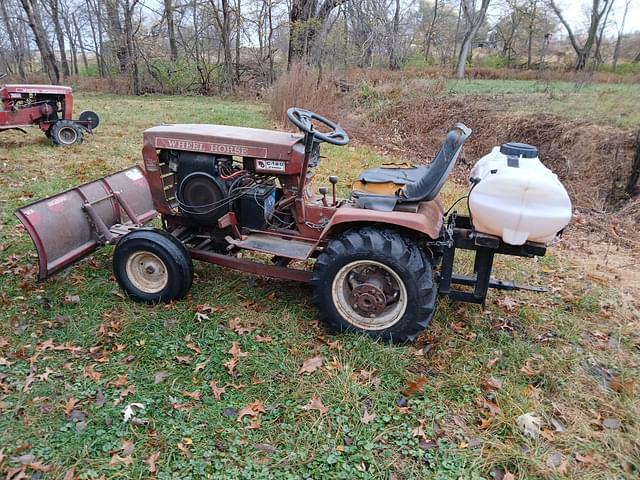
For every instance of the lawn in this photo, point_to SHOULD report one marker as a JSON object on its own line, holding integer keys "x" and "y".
{"x": 300, "y": 402}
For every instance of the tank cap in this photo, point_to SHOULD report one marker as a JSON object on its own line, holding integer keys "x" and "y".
{"x": 516, "y": 149}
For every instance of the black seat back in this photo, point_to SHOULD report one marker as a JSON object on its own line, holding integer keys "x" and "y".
{"x": 430, "y": 184}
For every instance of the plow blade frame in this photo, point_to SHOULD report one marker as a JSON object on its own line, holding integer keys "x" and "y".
{"x": 70, "y": 225}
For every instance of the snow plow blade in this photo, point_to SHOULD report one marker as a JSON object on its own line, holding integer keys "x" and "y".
{"x": 69, "y": 226}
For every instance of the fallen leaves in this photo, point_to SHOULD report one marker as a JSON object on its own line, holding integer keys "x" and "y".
{"x": 252, "y": 410}
{"x": 311, "y": 365}
{"x": 415, "y": 386}
{"x": 216, "y": 390}
{"x": 130, "y": 410}
{"x": 151, "y": 462}
{"x": 530, "y": 424}
{"x": 69, "y": 405}
{"x": 533, "y": 366}
{"x": 234, "y": 324}
{"x": 160, "y": 377}
{"x": 367, "y": 417}
{"x": 90, "y": 373}
{"x": 236, "y": 354}
{"x": 315, "y": 404}
{"x": 184, "y": 359}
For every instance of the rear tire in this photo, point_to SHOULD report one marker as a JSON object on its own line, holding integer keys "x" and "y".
{"x": 152, "y": 266}
{"x": 376, "y": 282}
{"x": 65, "y": 133}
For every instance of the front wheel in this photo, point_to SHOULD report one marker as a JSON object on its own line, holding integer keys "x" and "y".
{"x": 65, "y": 132}
{"x": 152, "y": 266}
{"x": 377, "y": 282}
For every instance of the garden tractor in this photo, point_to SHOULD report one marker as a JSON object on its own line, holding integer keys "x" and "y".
{"x": 243, "y": 198}
{"x": 50, "y": 107}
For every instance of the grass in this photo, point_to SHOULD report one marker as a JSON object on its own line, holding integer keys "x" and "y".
{"x": 598, "y": 102}
{"x": 558, "y": 355}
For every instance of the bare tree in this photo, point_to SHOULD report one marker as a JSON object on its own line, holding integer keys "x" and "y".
{"x": 13, "y": 40}
{"x": 31, "y": 9}
{"x": 305, "y": 20}
{"x": 171, "y": 31}
{"x": 54, "y": 10}
{"x": 616, "y": 50}
{"x": 429, "y": 34}
{"x": 583, "y": 52}
{"x": 394, "y": 60}
{"x": 473, "y": 19}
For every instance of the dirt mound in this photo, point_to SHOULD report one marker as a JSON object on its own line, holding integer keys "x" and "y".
{"x": 593, "y": 161}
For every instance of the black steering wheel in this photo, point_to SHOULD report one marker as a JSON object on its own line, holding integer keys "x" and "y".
{"x": 302, "y": 119}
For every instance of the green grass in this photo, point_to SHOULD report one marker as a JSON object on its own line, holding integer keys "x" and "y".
{"x": 116, "y": 336}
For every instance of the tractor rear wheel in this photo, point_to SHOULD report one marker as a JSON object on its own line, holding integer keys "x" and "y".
{"x": 65, "y": 132}
{"x": 152, "y": 266}
{"x": 376, "y": 282}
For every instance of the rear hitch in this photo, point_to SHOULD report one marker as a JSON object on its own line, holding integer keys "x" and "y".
{"x": 459, "y": 234}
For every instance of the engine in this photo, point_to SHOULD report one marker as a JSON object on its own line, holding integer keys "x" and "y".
{"x": 205, "y": 187}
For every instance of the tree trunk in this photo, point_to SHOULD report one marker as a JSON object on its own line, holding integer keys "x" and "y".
{"x": 116, "y": 33}
{"x": 132, "y": 57}
{"x": 427, "y": 49}
{"x": 46, "y": 52}
{"x": 171, "y": 30}
{"x": 81, "y": 43}
{"x": 532, "y": 20}
{"x": 583, "y": 51}
{"x": 474, "y": 21}
{"x": 17, "y": 49}
{"x": 394, "y": 60}
{"x": 238, "y": 26}
{"x": 57, "y": 27}
{"x": 616, "y": 50}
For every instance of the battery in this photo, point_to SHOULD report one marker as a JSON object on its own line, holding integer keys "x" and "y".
{"x": 253, "y": 208}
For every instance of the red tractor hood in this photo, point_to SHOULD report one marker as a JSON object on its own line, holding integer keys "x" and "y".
{"x": 54, "y": 89}
{"x": 223, "y": 140}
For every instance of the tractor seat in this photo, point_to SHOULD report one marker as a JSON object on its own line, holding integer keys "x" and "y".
{"x": 393, "y": 174}
{"x": 410, "y": 185}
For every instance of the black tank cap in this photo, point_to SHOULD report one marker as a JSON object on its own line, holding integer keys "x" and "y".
{"x": 516, "y": 149}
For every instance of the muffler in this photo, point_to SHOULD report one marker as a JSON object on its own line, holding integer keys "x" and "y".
{"x": 69, "y": 226}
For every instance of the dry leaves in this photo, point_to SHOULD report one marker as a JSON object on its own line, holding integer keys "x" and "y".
{"x": 184, "y": 359}
{"x": 234, "y": 324}
{"x": 311, "y": 365}
{"x": 415, "y": 386}
{"x": 265, "y": 339}
{"x": 69, "y": 405}
{"x": 530, "y": 424}
{"x": 419, "y": 430}
{"x": 91, "y": 374}
{"x": 151, "y": 461}
{"x": 367, "y": 417}
{"x": 216, "y": 390}
{"x": 252, "y": 410}
{"x": 316, "y": 404}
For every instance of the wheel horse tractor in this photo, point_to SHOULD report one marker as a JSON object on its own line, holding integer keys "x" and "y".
{"x": 50, "y": 107}
{"x": 242, "y": 198}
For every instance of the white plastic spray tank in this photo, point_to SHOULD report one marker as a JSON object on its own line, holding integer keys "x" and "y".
{"x": 514, "y": 196}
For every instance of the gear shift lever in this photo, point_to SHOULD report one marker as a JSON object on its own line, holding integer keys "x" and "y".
{"x": 334, "y": 180}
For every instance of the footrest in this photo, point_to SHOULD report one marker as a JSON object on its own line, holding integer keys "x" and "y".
{"x": 282, "y": 247}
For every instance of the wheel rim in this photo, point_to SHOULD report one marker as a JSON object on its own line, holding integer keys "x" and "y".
{"x": 67, "y": 135}
{"x": 369, "y": 295}
{"x": 147, "y": 272}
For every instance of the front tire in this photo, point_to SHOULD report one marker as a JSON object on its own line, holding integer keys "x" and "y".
{"x": 64, "y": 133}
{"x": 376, "y": 282}
{"x": 152, "y": 266}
